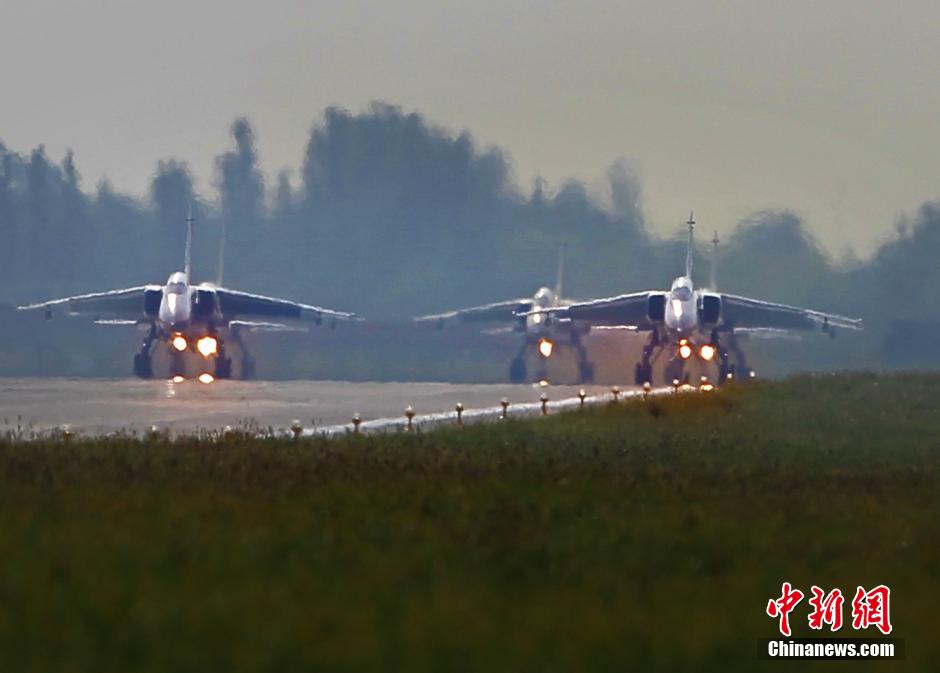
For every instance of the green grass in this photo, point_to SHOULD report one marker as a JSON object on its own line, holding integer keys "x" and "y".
{"x": 646, "y": 536}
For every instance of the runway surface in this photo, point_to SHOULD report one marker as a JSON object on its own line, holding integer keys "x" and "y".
{"x": 95, "y": 406}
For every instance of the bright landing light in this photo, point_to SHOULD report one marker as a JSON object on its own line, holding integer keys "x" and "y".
{"x": 178, "y": 379}
{"x": 707, "y": 351}
{"x": 206, "y": 378}
{"x": 545, "y": 348}
{"x": 179, "y": 342}
{"x": 207, "y": 346}
{"x": 685, "y": 350}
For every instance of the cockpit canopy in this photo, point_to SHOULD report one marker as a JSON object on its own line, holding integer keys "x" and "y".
{"x": 176, "y": 284}
{"x": 544, "y": 298}
{"x": 681, "y": 289}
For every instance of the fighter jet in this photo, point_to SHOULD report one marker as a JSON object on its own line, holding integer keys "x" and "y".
{"x": 685, "y": 322}
{"x": 184, "y": 317}
{"x": 524, "y": 316}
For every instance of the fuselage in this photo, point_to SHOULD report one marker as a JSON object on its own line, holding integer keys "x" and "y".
{"x": 681, "y": 314}
{"x": 176, "y": 306}
{"x": 180, "y": 323}
{"x": 683, "y": 326}
{"x": 536, "y": 324}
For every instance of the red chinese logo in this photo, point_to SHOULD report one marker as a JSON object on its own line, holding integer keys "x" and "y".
{"x": 872, "y": 608}
{"x": 827, "y": 609}
{"x": 869, "y": 608}
{"x": 783, "y": 606}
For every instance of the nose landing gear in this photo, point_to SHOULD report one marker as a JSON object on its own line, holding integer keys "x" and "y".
{"x": 675, "y": 371}
{"x": 177, "y": 365}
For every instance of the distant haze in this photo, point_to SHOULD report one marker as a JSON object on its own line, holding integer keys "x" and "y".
{"x": 828, "y": 108}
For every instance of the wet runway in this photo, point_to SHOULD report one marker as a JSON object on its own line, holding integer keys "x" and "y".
{"x": 95, "y": 406}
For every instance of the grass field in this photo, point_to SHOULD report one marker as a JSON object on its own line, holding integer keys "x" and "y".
{"x": 639, "y": 537}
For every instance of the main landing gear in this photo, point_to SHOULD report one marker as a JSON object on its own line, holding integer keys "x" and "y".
{"x": 544, "y": 349}
{"x": 223, "y": 364}
{"x": 517, "y": 367}
{"x": 247, "y": 360}
{"x": 585, "y": 366}
{"x": 728, "y": 371}
{"x": 223, "y": 361}
{"x": 675, "y": 369}
{"x": 248, "y": 367}
{"x": 178, "y": 348}
{"x": 143, "y": 365}
{"x": 643, "y": 371}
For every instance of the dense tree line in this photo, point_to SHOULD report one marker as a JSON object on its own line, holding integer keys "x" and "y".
{"x": 393, "y": 216}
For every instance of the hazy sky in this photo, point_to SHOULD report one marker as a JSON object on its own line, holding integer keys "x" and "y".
{"x": 831, "y": 108}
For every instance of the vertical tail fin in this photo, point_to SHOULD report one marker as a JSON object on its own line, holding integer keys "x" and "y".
{"x": 689, "y": 251}
{"x": 714, "y": 273}
{"x": 188, "y": 261}
{"x": 560, "y": 273}
{"x": 221, "y": 266}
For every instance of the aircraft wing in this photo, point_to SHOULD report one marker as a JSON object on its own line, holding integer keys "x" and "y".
{"x": 234, "y": 304}
{"x": 127, "y": 303}
{"x": 262, "y": 326}
{"x": 622, "y": 310}
{"x": 767, "y": 333}
{"x": 744, "y": 312}
{"x": 503, "y": 311}
{"x": 119, "y": 322}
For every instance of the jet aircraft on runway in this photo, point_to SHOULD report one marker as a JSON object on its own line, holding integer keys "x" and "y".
{"x": 524, "y": 316}
{"x": 685, "y": 322}
{"x": 186, "y": 317}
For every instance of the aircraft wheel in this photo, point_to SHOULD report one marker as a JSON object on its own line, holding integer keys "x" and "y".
{"x": 177, "y": 366}
{"x": 223, "y": 367}
{"x": 586, "y": 370}
{"x": 673, "y": 372}
{"x": 517, "y": 371}
{"x": 143, "y": 368}
{"x": 643, "y": 374}
{"x": 723, "y": 371}
{"x": 248, "y": 367}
